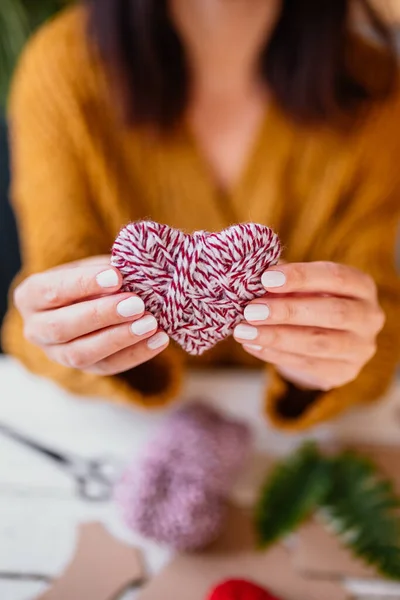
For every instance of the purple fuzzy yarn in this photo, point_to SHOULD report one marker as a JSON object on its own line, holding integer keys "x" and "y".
{"x": 170, "y": 510}
{"x": 177, "y": 494}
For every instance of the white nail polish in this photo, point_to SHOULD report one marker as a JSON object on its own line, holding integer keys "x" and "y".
{"x": 256, "y": 312}
{"x": 246, "y": 332}
{"x": 158, "y": 341}
{"x": 253, "y": 347}
{"x": 107, "y": 279}
{"x": 144, "y": 325}
{"x": 273, "y": 279}
{"x": 130, "y": 307}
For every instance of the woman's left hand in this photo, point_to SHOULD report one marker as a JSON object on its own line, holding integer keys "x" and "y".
{"x": 318, "y": 324}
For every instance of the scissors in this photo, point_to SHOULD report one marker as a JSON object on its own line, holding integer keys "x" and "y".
{"x": 94, "y": 478}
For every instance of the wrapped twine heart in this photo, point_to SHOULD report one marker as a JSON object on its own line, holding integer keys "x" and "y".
{"x": 197, "y": 286}
{"x": 177, "y": 493}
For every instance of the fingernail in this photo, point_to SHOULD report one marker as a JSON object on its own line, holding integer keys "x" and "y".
{"x": 256, "y": 312}
{"x": 246, "y": 332}
{"x": 273, "y": 279}
{"x": 144, "y": 325}
{"x": 107, "y": 279}
{"x": 253, "y": 347}
{"x": 157, "y": 341}
{"x": 130, "y": 307}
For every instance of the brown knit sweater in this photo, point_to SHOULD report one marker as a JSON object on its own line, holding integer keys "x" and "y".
{"x": 78, "y": 176}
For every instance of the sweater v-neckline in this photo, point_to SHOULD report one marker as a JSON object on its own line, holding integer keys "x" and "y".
{"x": 228, "y": 200}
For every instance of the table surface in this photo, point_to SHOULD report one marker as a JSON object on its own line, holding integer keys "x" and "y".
{"x": 39, "y": 509}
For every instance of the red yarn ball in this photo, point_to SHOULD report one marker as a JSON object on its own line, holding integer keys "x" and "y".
{"x": 239, "y": 589}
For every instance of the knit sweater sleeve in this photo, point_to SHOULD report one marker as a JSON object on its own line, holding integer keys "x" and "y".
{"x": 366, "y": 238}
{"x": 57, "y": 217}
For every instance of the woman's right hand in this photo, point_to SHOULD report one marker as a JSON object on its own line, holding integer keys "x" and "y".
{"x": 77, "y": 315}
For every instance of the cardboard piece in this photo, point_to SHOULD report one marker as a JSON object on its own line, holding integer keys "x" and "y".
{"x": 386, "y": 458}
{"x": 101, "y": 569}
{"x": 192, "y": 577}
{"x": 320, "y": 553}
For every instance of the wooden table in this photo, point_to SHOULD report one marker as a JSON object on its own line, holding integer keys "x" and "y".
{"x": 39, "y": 510}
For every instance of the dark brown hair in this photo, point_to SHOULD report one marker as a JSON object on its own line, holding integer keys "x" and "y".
{"x": 306, "y": 63}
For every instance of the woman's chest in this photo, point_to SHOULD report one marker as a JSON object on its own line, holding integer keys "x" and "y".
{"x": 292, "y": 183}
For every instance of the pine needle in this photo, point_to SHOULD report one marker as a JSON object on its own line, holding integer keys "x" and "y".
{"x": 362, "y": 509}
{"x": 292, "y": 492}
{"x": 358, "y": 504}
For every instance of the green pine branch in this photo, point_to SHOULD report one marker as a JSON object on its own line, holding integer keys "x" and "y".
{"x": 358, "y": 504}
{"x": 291, "y": 494}
{"x": 362, "y": 509}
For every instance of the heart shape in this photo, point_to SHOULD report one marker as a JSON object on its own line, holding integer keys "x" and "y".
{"x": 197, "y": 286}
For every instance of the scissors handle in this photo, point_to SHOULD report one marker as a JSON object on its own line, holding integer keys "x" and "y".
{"x": 95, "y": 478}
{"x": 93, "y": 490}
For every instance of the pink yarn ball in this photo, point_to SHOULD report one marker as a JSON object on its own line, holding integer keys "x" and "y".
{"x": 170, "y": 510}
{"x": 177, "y": 494}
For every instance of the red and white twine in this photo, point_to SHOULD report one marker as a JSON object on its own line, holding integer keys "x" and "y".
{"x": 197, "y": 286}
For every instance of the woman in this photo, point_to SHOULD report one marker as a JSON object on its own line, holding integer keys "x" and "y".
{"x": 200, "y": 113}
